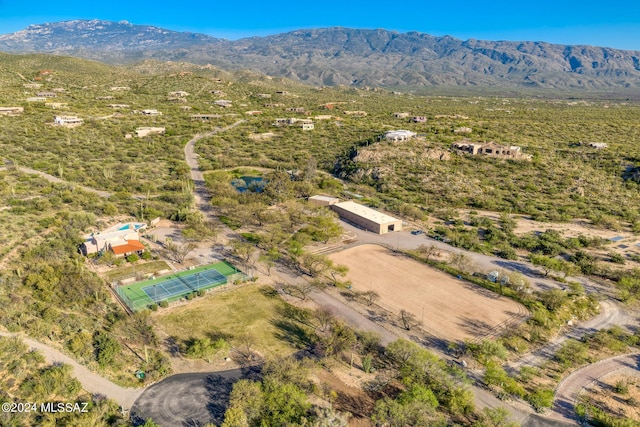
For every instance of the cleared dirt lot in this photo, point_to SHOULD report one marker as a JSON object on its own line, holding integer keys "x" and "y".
{"x": 453, "y": 309}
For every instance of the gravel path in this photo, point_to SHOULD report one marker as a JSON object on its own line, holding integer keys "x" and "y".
{"x": 192, "y": 399}
{"x": 91, "y": 382}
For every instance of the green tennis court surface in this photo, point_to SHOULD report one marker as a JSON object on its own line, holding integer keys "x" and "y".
{"x": 141, "y": 295}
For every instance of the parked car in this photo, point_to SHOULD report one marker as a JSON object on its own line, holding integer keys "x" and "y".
{"x": 416, "y": 232}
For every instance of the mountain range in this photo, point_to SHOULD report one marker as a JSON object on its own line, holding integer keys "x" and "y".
{"x": 344, "y": 56}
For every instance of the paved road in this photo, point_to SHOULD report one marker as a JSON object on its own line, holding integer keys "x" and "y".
{"x": 91, "y": 382}
{"x": 610, "y": 314}
{"x": 568, "y": 390}
{"x": 192, "y": 399}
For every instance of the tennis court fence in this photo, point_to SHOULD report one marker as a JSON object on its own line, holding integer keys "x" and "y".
{"x": 143, "y": 295}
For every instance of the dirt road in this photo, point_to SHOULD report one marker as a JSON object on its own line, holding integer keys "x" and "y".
{"x": 201, "y": 194}
{"x": 57, "y": 180}
{"x": 91, "y": 382}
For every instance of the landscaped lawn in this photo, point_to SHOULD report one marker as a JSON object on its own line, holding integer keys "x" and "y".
{"x": 250, "y": 309}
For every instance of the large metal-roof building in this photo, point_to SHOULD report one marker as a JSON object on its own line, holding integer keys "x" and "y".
{"x": 367, "y": 218}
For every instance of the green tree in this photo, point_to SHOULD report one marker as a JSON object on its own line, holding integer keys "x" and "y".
{"x": 548, "y": 264}
{"x": 495, "y": 417}
{"x": 541, "y": 399}
{"x": 106, "y": 348}
{"x": 284, "y": 404}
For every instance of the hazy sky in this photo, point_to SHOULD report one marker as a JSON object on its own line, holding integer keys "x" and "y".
{"x": 613, "y": 24}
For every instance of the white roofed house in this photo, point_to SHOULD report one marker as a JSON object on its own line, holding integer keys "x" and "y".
{"x": 147, "y": 131}
{"x": 224, "y": 103}
{"x": 67, "y": 121}
{"x": 398, "y": 135}
{"x": 151, "y": 112}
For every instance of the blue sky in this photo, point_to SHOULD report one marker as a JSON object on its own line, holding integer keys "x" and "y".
{"x": 612, "y": 24}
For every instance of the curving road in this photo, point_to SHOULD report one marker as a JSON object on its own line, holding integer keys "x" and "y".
{"x": 91, "y": 382}
{"x": 610, "y": 314}
{"x": 568, "y": 390}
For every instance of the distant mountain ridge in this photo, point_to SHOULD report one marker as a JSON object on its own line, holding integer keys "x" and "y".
{"x": 343, "y": 56}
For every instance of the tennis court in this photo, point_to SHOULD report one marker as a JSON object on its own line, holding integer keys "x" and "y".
{"x": 182, "y": 285}
{"x": 141, "y": 295}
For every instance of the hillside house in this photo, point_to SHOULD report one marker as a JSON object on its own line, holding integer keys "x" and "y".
{"x": 282, "y": 92}
{"x": 121, "y": 239}
{"x": 419, "y": 119}
{"x": 491, "y": 149}
{"x": 36, "y": 99}
{"x": 218, "y": 92}
{"x": 598, "y": 145}
{"x": 264, "y": 95}
{"x": 56, "y": 105}
{"x": 104, "y": 97}
{"x": 46, "y": 94}
{"x": 185, "y": 108}
{"x": 454, "y": 116}
{"x": 119, "y": 88}
{"x": 273, "y": 105}
{"x": 356, "y": 113}
{"x": 398, "y": 135}
{"x": 32, "y": 85}
{"x": 147, "y": 131}
{"x": 67, "y": 121}
{"x": 178, "y": 94}
{"x": 151, "y": 113}
{"x": 307, "y": 126}
{"x": 285, "y": 121}
{"x": 323, "y": 117}
{"x": 118, "y": 106}
{"x": 205, "y": 117}
{"x": 253, "y": 112}
{"x": 11, "y": 111}
{"x": 463, "y": 129}
{"x": 59, "y": 90}
{"x": 223, "y": 103}
{"x": 296, "y": 109}
{"x": 400, "y": 115}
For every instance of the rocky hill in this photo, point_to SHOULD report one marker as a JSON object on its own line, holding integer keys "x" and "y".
{"x": 342, "y": 56}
